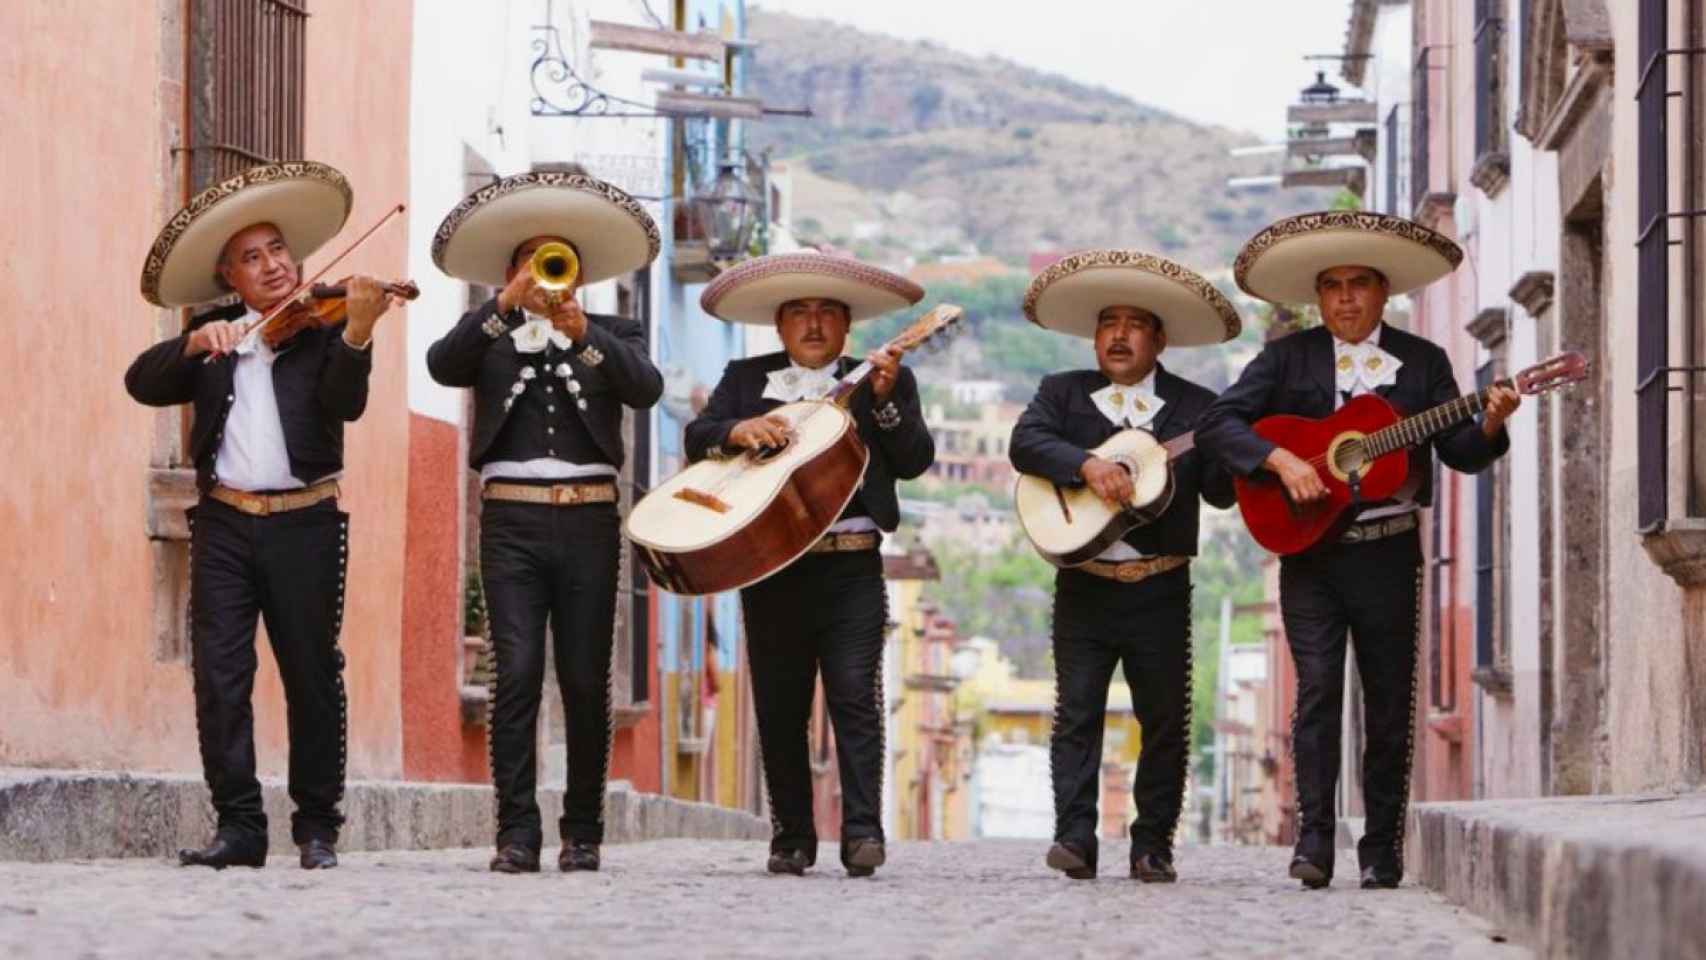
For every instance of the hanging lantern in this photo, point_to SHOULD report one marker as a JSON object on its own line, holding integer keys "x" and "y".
{"x": 728, "y": 212}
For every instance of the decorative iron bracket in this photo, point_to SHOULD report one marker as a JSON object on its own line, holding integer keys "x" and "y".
{"x": 558, "y": 91}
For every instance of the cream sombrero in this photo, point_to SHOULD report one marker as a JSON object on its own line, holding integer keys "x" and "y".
{"x": 610, "y": 230}
{"x": 1070, "y": 293}
{"x": 1280, "y": 264}
{"x": 751, "y": 292}
{"x": 307, "y": 201}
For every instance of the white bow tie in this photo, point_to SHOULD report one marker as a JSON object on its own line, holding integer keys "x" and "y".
{"x": 1360, "y": 368}
{"x": 1127, "y": 406}
{"x": 794, "y": 382}
{"x": 534, "y": 335}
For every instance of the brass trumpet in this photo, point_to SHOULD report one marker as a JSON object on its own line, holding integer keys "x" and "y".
{"x": 555, "y": 268}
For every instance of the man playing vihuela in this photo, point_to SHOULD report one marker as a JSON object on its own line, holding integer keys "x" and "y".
{"x": 267, "y": 540}
{"x": 825, "y": 614}
{"x": 1368, "y": 581}
{"x": 550, "y": 381}
{"x": 1130, "y": 607}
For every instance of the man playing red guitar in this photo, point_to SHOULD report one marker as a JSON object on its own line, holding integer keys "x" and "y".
{"x": 825, "y": 613}
{"x": 1368, "y": 579}
{"x": 1131, "y": 606}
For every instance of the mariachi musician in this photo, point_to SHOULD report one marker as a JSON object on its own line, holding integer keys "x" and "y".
{"x": 550, "y": 381}
{"x": 1369, "y": 580}
{"x": 1130, "y": 606}
{"x": 267, "y": 538}
{"x": 826, "y": 612}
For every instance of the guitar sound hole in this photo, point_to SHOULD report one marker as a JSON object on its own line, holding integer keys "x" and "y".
{"x": 1350, "y": 456}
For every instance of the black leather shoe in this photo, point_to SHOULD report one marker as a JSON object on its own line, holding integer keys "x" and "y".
{"x": 1313, "y": 875}
{"x": 578, "y": 855}
{"x": 789, "y": 861}
{"x": 1151, "y": 868}
{"x": 1071, "y": 860}
{"x": 863, "y": 856}
{"x": 318, "y": 855}
{"x": 1377, "y": 878}
{"x": 227, "y": 851}
{"x": 515, "y": 858}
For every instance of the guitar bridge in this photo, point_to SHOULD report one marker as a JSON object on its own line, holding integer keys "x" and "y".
{"x": 702, "y": 499}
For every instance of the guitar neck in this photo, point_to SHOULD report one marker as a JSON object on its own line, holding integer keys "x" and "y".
{"x": 842, "y": 393}
{"x": 1413, "y": 431}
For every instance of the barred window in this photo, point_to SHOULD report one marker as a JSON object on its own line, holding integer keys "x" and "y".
{"x": 247, "y": 70}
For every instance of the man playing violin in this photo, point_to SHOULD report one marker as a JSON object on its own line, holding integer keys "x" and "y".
{"x": 267, "y": 538}
{"x": 1131, "y": 605}
{"x": 825, "y": 613}
{"x": 1367, "y": 582}
{"x": 550, "y": 383}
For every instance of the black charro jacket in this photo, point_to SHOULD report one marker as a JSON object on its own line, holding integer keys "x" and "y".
{"x": 319, "y": 380}
{"x": 623, "y": 374}
{"x": 1057, "y": 430}
{"x": 898, "y": 454}
{"x": 1294, "y": 375}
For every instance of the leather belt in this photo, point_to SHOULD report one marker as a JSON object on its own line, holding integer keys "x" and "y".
{"x": 1131, "y": 571}
{"x": 556, "y": 495}
{"x": 266, "y": 504}
{"x": 1377, "y": 529}
{"x": 844, "y": 542}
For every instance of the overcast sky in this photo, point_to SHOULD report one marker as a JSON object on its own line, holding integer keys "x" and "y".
{"x": 1236, "y": 63}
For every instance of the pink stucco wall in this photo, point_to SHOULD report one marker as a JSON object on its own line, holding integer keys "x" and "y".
{"x": 80, "y": 684}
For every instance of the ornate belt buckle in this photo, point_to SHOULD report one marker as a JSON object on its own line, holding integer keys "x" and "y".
{"x": 1128, "y": 572}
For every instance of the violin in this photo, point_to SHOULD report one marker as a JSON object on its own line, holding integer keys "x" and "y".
{"x": 323, "y": 305}
{"x": 313, "y": 305}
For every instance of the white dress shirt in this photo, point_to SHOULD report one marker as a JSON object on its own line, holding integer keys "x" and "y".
{"x": 252, "y": 453}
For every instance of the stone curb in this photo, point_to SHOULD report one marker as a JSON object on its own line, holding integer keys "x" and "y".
{"x": 1573, "y": 877}
{"x": 73, "y": 814}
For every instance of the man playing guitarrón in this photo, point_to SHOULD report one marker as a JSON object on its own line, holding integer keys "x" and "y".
{"x": 1132, "y": 604}
{"x": 825, "y": 612}
{"x": 266, "y": 538}
{"x": 550, "y": 382}
{"x": 1368, "y": 580}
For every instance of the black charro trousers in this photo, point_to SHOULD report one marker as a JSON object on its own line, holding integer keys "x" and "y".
{"x": 1372, "y": 590}
{"x": 826, "y": 612}
{"x": 286, "y": 569}
{"x": 539, "y": 563}
{"x": 1144, "y": 627}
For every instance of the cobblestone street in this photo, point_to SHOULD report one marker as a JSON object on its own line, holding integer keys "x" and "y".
{"x": 680, "y": 898}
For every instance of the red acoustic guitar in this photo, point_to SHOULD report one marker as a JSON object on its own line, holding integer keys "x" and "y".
{"x": 1362, "y": 445}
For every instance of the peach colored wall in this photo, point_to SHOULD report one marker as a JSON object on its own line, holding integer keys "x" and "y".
{"x": 79, "y": 683}
{"x": 75, "y": 571}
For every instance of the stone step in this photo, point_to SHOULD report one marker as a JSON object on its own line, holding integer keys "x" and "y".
{"x": 1601, "y": 876}
{"x": 74, "y": 814}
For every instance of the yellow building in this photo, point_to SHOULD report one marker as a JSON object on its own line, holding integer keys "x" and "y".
{"x": 929, "y": 741}
{"x": 1012, "y": 711}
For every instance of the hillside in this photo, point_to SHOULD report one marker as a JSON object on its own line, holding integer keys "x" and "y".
{"x": 917, "y": 151}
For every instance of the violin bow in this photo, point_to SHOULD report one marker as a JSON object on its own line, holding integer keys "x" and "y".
{"x": 290, "y": 298}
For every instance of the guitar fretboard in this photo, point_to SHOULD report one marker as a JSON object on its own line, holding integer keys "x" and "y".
{"x": 1411, "y": 431}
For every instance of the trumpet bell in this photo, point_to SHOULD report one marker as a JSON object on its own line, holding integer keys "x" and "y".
{"x": 555, "y": 266}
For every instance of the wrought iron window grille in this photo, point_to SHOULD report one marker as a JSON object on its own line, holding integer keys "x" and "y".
{"x": 1652, "y": 364}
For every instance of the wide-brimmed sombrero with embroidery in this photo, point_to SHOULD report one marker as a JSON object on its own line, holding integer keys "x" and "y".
{"x": 609, "y": 229}
{"x": 308, "y": 202}
{"x": 1070, "y": 294}
{"x": 751, "y": 292}
{"x": 1280, "y": 264}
